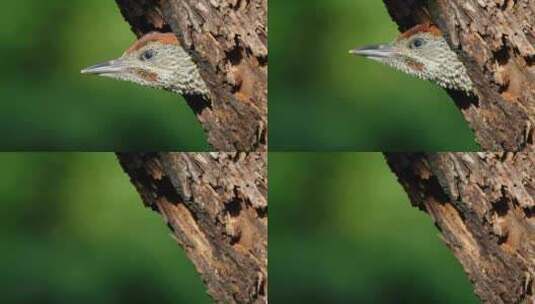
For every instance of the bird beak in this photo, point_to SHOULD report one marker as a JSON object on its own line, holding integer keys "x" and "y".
{"x": 108, "y": 67}
{"x": 375, "y": 51}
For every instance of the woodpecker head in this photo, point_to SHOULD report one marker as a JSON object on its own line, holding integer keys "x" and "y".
{"x": 155, "y": 60}
{"x": 423, "y": 52}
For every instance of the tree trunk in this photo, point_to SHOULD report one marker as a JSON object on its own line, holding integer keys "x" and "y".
{"x": 228, "y": 41}
{"x": 483, "y": 204}
{"x": 496, "y": 41}
{"x": 216, "y": 206}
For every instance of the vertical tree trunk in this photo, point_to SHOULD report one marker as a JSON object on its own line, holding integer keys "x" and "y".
{"x": 483, "y": 204}
{"x": 496, "y": 42}
{"x": 228, "y": 41}
{"x": 216, "y": 206}
{"x": 215, "y": 203}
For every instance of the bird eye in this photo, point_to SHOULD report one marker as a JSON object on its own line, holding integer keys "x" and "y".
{"x": 148, "y": 54}
{"x": 417, "y": 43}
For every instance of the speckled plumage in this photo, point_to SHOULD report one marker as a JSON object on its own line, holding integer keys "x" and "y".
{"x": 433, "y": 60}
{"x": 155, "y": 60}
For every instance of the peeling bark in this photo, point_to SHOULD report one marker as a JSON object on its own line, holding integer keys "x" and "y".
{"x": 228, "y": 41}
{"x": 496, "y": 42}
{"x": 484, "y": 206}
{"x": 216, "y": 206}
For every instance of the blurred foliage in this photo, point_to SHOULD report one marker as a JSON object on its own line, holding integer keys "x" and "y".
{"x": 343, "y": 231}
{"x": 322, "y": 98}
{"x": 48, "y": 105}
{"x": 75, "y": 230}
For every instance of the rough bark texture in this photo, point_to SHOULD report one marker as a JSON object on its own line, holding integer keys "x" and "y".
{"x": 228, "y": 41}
{"x": 495, "y": 39}
{"x": 483, "y": 204}
{"x": 216, "y": 206}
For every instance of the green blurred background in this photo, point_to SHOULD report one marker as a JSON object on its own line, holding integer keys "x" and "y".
{"x": 322, "y": 98}
{"x": 342, "y": 230}
{"x": 46, "y": 103}
{"x": 74, "y": 230}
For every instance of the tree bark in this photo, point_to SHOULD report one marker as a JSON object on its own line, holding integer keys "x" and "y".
{"x": 228, "y": 41}
{"x": 496, "y": 42}
{"x": 483, "y": 204}
{"x": 216, "y": 206}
